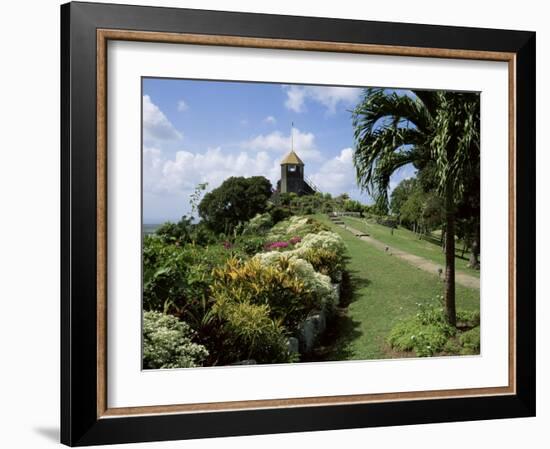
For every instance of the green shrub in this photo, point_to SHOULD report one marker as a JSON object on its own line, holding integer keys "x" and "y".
{"x": 424, "y": 340}
{"x": 165, "y": 271}
{"x": 167, "y": 343}
{"x": 258, "y": 225}
{"x": 279, "y": 214}
{"x": 468, "y": 318}
{"x": 428, "y": 333}
{"x": 324, "y": 261}
{"x": 328, "y": 208}
{"x": 470, "y": 341}
{"x": 250, "y": 333}
{"x": 250, "y": 244}
{"x": 425, "y": 333}
{"x": 289, "y": 289}
{"x": 202, "y": 235}
{"x": 452, "y": 347}
{"x": 184, "y": 231}
{"x": 177, "y": 280}
{"x": 176, "y": 232}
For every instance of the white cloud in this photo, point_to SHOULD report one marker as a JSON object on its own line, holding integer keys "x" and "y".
{"x": 156, "y": 126}
{"x": 304, "y": 144}
{"x": 295, "y": 97}
{"x": 270, "y": 120}
{"x": 330, "y": 97}
{"x": 152, "y": 167}
{"x": 182, "y": 106}
{"x": 178, "y": 175}
{"x": 337, "y": 175}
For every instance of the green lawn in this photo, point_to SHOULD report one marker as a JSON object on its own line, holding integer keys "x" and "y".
{"x": 384, "y": 290}
{"x": 407, "y": 241}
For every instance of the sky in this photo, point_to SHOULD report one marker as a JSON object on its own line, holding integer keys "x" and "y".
{"x": 197, "y": 131}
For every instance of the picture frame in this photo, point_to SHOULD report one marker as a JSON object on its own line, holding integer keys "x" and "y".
{"x": 86, "y": 28}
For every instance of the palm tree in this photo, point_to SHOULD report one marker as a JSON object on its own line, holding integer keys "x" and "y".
{"x": 424, "y": 128}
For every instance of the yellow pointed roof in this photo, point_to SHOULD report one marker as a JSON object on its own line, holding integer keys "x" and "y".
{"x": 292, "y": 159}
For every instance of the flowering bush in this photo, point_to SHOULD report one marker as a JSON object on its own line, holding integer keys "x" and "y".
{"x": 276, "y": 245}
{"x": 324, "y": 261}
{"x": 295, "y": 226}
{"x": 325, "y": 240}
{"x": 289, "y": 286}
{"x": 282, "y": 244}
{"x": 325, "y": 251}
{"x": 167, "y": 343}
{"x": 316, "y": 283}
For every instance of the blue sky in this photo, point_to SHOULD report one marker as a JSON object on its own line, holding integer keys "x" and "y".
{"x": 197, "y": 131}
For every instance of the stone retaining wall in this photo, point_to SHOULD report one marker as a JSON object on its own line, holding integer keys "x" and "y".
{"x": 313, "y": 327}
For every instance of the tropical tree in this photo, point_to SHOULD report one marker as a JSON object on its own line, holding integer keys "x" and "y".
{"x": 425, "y": 128}
{"x": 401, "y": 193}
{"x": 237, "y": 200}
{"x": 412, "y": 209}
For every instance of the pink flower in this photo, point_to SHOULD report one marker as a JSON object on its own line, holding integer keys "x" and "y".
{"x": 276, "y": 245}
{"x": 227, "y": 245}
{"x": 295, "y": 240}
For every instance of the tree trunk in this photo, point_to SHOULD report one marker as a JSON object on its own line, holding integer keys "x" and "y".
{"x": 474, "y": 254}
{"x": 450, "y": 306}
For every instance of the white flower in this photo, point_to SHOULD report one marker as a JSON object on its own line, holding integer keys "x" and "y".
{"x": 323, "y": 240}
{"x": 316, "y": 282}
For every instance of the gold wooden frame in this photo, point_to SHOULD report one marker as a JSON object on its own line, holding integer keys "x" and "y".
{"x": 104, "y": 35}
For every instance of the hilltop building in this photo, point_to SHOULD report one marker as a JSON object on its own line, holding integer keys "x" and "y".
{"x": 292, "y": 174}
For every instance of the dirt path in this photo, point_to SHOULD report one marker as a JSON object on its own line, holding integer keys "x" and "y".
{"x": 424, "y": 264}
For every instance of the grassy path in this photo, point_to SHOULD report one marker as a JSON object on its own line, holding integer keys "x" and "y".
{"x": 405, "y": 240}
{"x": 384, "y": 290}
{"x": 417, "y": 261}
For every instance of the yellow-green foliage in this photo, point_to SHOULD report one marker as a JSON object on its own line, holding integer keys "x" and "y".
{"x": 316, "y": 284}
{"x": 324, "y": 261}
{"x": 279, "y": 287}
{"x": 250, "y": 333}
